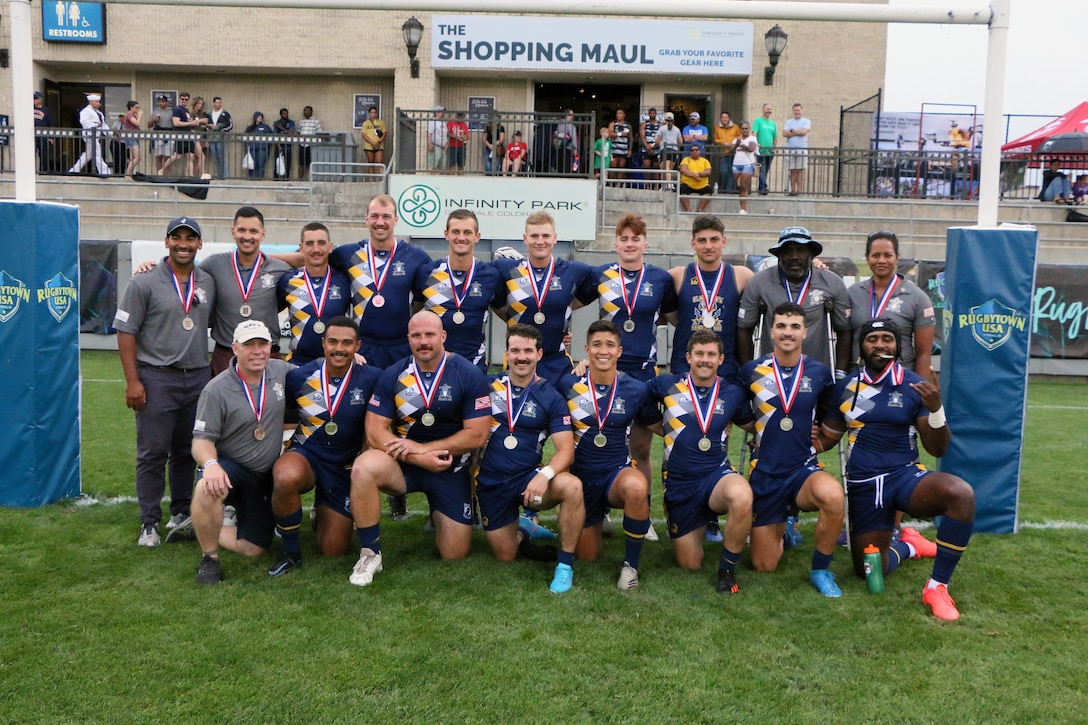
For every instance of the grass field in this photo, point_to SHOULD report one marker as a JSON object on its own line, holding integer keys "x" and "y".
{"x": 94, "y": 629}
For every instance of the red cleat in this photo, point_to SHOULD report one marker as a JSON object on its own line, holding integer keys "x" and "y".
{"x": 923, "y": 547}
{"x": 940, "y": 603}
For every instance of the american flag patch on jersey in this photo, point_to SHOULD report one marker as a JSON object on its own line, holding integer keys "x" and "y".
{"x": 483, "y": 402}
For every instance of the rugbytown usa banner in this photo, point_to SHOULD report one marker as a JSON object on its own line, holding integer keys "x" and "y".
{"x": 990, "y": 276}
{"x": 500, "y": 203}
{"x": 39, "y": 352}
{"x": 494, "y": 42}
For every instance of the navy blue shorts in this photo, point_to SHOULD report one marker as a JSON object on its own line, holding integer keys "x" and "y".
{"x": 774, "y": 495}
{"x": 448, "y": 493}
{"x": 251, "y": 496}
{"x": 332, "y": 481}
{"x": 499, "y": 499}
{"x": 687, "y": 503}
{"x": 595, "y": 488}
{"x": 874, "y": 500}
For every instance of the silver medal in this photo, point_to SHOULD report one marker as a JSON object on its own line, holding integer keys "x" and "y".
{"x": 188, "y": 323}
{"x": 539, "y": 318}
{"x": 510, "y": 441}
{"x": 599, "y": 440}
{"x": 786, "y": 424}
{"x": 245, "y": 310}
{"x": 427, "y": 419}
{"x": 629, "y": 326}
{"x": 458, "y": 317}
{"x": 331, "y": 428}
{"x": 704, "y": 444}
{"x": 319, "y": 327}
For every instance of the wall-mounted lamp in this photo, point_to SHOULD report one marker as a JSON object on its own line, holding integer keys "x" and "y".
{"x": 775, "y": 39}
{"x": 413, "y": 35}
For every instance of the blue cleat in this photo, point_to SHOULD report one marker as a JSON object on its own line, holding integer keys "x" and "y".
{"x": 535, "y": 531}
{"x": 792, "y": 537}
{"x": 563, "y": 580}
{"x": 824, "y": 581}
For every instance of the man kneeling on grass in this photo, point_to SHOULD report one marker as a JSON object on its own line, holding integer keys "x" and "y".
{"x": 237, "y": 438}
{"x": 878, "y": 404}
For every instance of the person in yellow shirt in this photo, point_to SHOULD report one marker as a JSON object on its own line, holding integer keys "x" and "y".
{"x": 373, "y": 133}
{"x": 724, "y": 134}
{"x": 695, "y": 178}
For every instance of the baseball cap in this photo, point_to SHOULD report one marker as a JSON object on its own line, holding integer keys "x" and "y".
{"x": 440, "y": 108}
{"x": 796, "y": 235}
{"x": 669, "y": 116}
{"x": 182, "y": 221}
{"x": 162, "y": 97}
{"x": 38, "y": 94}
{"x": 251, "y": 330}
{"x": 694, "y": 115}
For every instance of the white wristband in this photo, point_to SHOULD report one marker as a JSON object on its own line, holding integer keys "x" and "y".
{"x": 937, "y": 419}
{"x": 840, "y": 375}
{"x": 209, "y": 462}
{"x": 547, "y": 472}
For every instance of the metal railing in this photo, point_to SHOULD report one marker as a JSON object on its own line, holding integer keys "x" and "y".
{"x": 341, "y": 190}
{"x": 551, "y": 150}
{"x": 221, "y": 155}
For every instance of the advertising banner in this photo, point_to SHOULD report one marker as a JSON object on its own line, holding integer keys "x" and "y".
{"x": 500, "y": 203}
{"x": 984, "y": 364}
{"x": 493, "y": 42}
{"x": 39, "y": 352}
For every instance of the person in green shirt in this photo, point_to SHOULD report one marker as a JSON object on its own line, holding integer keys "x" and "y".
{"x": 602, "y": 152}
{"x": 766, "y": 132}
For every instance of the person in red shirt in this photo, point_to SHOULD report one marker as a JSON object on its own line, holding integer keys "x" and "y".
{"x": 458, "y": 133}
{"x": 515, "y": 156}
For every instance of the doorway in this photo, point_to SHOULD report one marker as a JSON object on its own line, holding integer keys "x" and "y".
{"x": 683, "y": 105}
{"x": 602, "y": 99}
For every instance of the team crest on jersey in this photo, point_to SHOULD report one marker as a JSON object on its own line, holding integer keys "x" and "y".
{"x": 806, "y": 384}
{"x": 618, "y": 407}
{"x": 475, "y": 290}
{"x": 529, "y": 411}
{"x": 59, "y": 294}
{"x": 278, "y": 390}
{"x": 398, "y": 269}
{"x": 895, "y": 304}
{"x": 356, "y": 396}
{"x": 647, "y": 289}
{"x": 202, "y": 295}
{"x": 12, "y": 292}
{"x": 268, "y": 280}
{"x": 719, "y": 407}
{"x": 556, "y": 283}
{"x": 334, "y": 292}
{"x": 817, "y": 296}
{"x": 318, "y": 396}
{"x": 445, "y": 391}
{"x": 895, "y": 399}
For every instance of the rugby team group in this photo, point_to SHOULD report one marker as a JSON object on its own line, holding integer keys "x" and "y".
{"x": 383, "y": 388}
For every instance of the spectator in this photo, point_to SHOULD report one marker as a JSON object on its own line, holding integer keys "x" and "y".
{"x": 766, "y": 133}
{"x": 515, "y": 156}
{"x": 1080, "y": 189}
{"x": 438, "y": 136}
{"x": 796, "y": 131}
{"x": 602, "y": 152}
{"x": 494, "y": 146}
{"x": 43, "y": 119}
{"x": 221, "y": 123}
{"x": 1055, "y": 186}
{"x": 162, "y": 120}
{"x": 695, "y": 177}
{"x": 258, "y": 151}
{"x": 695, "y": 132}
{"x": 94, "y": 130}
{"x": 132, "y": 121}
{"x": 373, "y": 133}
{"x": 308, "y": 126}
{"x": 458, "y": 135}
{"x": 669, "y": 139}
{"x": 620, "y": 133}
{"x": 744, "y": 164}
{"x": 196, "y": 110}
{"x": 724, "y": 134}
{"x": 284, "y": 126}
{"x": 566, "y": 134}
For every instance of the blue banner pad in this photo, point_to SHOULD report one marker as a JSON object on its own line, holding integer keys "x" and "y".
{"x": 989, "y": 277}
{"x": 39, "y": 352}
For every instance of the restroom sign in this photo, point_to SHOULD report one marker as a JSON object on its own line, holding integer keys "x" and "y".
{"x": 69, "y": 21}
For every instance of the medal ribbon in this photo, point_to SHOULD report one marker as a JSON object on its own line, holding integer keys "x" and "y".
{"x": 787, "y": 396}
{"x": 332, "y": 404}
{"x": 596, "y": 408}
{"x": 246, "y": 288}
{"x": 545, "y": 284}
{"x": 318, "y": 305}
{"x": 379, "y": 280}
{"x": 427, "y": 393}
{"x": 459, "y": 300}
{"x": 704, "y": 419}
{"x": 801, "y": 293}
{"x": 258, "y": 409}
{"x": 511, "y": 415}
{"x": 186, "y": 299}
{"x": 893, "y": 369}
{"x": 878, "y": 310}
{"x": 630, "y": 306}
{"x": 708, "y": 300}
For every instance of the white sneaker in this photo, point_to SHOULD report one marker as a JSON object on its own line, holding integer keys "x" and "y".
{"x": 628, "y": 577}
{"x": 743, "y": 211}
{"x": 149, "y": 535}
{"x": 651, "y": 534}
{"x": 368, "y": 565}
{"x": 607, "y": 529}
{"x": 175, "y": 520}
{"x": 230, "y": 516}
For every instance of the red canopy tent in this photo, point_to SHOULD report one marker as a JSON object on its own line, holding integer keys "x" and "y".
{"x": 1072, "y": 121}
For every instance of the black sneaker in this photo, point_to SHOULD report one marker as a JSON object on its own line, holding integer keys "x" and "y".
{"x": 727, "y": 582}
{"x": 398, "y": 507}
{"x": 537, "y": 552}
{"x": 208, "y": 571}
{"x": 286, "y": 564}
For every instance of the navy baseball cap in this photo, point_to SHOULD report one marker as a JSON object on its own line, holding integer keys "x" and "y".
{"x": 796, "y": 235}
{"x": 38, "y": 94}
{"x": 183, "y": 221}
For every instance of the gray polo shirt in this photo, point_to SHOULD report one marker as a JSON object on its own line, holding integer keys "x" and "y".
{"x": 909, "y": 308}
{"x": 152, "y": 311}
{"x": 224, "y": 417}
{"x": 229, "y": 300}
{"x": 768, "y": 286}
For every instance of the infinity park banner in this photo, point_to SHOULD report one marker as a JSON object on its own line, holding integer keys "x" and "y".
{"x": 39, "y": 352}
{"x": 989, "y": 278}
{"x": 494, "y": 42}
{"x": 500, "y": 203}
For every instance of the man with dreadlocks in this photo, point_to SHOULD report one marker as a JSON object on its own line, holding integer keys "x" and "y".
{"x": 878, "y": 404}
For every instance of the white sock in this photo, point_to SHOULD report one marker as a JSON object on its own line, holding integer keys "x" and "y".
{"x": 933, "y": 583}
